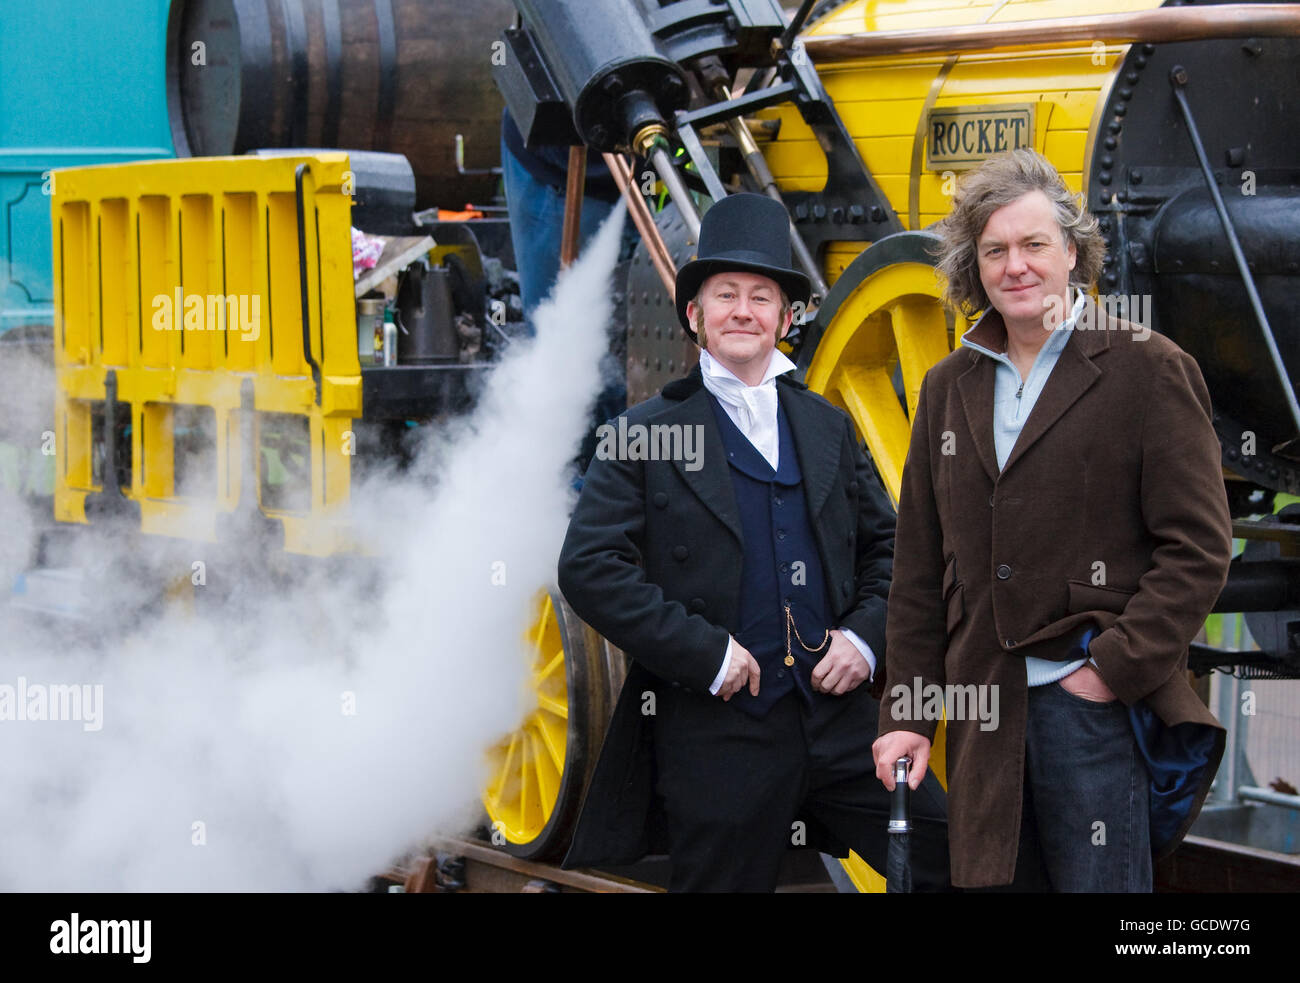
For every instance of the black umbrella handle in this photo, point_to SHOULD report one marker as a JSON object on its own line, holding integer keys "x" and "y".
{"x": 900, "y": 806}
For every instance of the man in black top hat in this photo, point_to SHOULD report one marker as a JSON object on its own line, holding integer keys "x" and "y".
{"x": 732, "y": 538}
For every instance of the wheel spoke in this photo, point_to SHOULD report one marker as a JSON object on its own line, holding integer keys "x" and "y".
{"x": 868, "y": 395}
{"x": 552, "y": 668}
{"x": 552, "y": 705}
{"x": 546, "y": 777}
{"x": 544, "y": 619}
{"x": 509, "y": 789}
{"x": 527, "y": 784}
{"x": 921, "y": 334}
{"x": 554, "y": 732}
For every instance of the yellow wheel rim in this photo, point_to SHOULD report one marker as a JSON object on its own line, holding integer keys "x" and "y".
{"x": 526, "y": 767}
{"x": 891, "y": 321}
{"x": 883, "y": 320}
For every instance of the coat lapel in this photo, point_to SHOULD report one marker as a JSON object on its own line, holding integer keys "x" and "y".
{"x": 819, "y": 457}
{"x": 712, "y": 482}
{"x": 975, "y": 386}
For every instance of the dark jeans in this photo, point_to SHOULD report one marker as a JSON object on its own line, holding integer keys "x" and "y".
{"x": 1084, "y": 821}
{"x": 735, "y": 786}
{"x": 536, "y": 222}
{"x": 536, "y": 227}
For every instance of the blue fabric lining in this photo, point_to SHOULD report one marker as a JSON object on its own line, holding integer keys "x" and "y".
{"x": 1176, "y": 759}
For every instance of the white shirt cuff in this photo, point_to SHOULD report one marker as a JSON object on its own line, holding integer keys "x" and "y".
{"x": 862, "y": 647}
{"x": 722, "y": 673}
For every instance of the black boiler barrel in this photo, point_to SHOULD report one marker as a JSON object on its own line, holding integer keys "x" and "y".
{"x": 402, "y": 76}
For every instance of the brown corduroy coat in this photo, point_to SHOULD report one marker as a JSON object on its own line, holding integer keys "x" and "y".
{"x": 1111, "y": 508}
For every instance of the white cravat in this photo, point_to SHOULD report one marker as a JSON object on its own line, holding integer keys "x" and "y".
{"x": 751, "y": 408}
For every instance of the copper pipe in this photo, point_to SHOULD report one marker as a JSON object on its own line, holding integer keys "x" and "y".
{"x": 644, "y": 222}
{"x": 573, "y": 191}
{"x": 1237, "y": 20}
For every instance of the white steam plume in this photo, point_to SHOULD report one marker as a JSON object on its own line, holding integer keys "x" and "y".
{"x": 237, "y": 722}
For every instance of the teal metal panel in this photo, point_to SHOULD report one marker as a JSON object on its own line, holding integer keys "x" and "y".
{"x": 80, "y": 83}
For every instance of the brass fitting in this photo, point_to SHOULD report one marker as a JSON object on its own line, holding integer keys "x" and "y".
{"x": 645, "y": 139}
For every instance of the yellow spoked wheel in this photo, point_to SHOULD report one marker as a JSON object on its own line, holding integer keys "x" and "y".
{"x": 880, "y": 329}
{"x": 540, "y": 772}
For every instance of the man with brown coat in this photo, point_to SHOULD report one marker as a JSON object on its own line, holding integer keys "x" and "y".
{"x": 1063, "y": 531}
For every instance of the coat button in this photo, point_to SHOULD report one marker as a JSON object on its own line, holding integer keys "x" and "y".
{"x": 697, "y": 604}
{"x": 789, "y": 660}
{"x": 1011, "y": 643}
{"x": 660, "y": 500}
{"x": 849, "y": 538}
{"x": 844, "y": 586}
{"x": 780, "y": 534}
{"x": 853, "y": 487}
{"x": 680, "y": 553}
{"x": 1004, "y": 572}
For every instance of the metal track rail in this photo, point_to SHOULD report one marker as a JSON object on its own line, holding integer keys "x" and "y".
{"x": 460, "y": 866}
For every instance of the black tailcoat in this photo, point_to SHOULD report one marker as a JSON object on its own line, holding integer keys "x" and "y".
{"x": 652, "y": 561}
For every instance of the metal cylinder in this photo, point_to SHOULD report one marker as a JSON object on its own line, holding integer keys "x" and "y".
{"x": 395, "y": 75}
{"x": 427, "y": 315}
{"x": 390, "y": 343}
{"x": 605, "y": 63}
{"x": 370, "y": 315}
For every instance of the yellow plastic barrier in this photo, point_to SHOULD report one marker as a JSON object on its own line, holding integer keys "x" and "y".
{"x": 178, "y": 283}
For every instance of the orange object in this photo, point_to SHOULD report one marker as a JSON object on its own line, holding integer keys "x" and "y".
{"x": 447, "y": 216}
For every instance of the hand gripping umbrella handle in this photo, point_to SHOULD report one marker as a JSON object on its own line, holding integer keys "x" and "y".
{"x": 900, "y": 811}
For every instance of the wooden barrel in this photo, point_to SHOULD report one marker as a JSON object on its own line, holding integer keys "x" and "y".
{"x": 403, "y": 76}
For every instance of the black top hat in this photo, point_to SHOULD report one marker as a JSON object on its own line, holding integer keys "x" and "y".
{"x": 746, "y": 233}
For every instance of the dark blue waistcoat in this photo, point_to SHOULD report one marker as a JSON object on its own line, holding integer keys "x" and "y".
{"x": 781, "y": 566}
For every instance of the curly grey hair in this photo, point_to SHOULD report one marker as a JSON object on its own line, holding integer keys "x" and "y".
{"x": 997, "y": 182}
